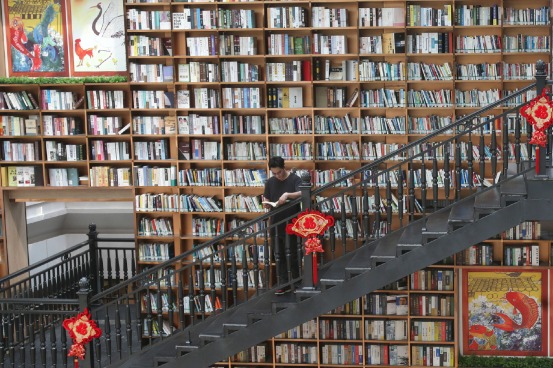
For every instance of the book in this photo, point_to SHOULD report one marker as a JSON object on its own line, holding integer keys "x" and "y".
{"x": 183, "y": 72}
{"x": 184, "y": 150}
{"x": 336, "y": 73}
{"x": 170, "y": 125}
{"x": 183, "y": 125}
{"x": 169, "y": 99}
{"x": 168, "y": 73}
{"x": 183, "y": 99}
{"x": 124, "y": 129}
{"x": 31, "y": 127}
{"x": 272, "y": 204}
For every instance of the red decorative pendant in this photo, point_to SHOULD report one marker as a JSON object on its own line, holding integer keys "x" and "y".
{"x": 539, "y": 113}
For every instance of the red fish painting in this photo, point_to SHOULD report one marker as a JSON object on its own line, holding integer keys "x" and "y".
{"x": 526, "y": 306}
{"x": 482, "y": 337}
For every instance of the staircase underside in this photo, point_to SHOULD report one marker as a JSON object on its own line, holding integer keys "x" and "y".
{"x": 362, "y": 271}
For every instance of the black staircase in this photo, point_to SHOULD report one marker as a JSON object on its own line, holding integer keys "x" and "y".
{"x": 406, "y": 210}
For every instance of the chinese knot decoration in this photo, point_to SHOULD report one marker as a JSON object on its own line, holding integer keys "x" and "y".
{"x": 539, "y": 113}
{"x": 82, "y": 330}
{"x": 310, "y": 224}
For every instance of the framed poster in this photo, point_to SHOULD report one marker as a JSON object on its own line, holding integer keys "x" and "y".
{"x": 505, "y": 312}
{"x": 97, "y": 37}
{"x": 35, "y": 37}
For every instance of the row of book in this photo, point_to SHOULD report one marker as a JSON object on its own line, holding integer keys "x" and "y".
{"x": 342, "y": 329}
{"x": 386, "y": 330}
{"x": 158, "y": 226}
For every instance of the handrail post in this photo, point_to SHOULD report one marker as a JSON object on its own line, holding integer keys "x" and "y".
{"x": 305, "y": 188}
{"x": 93, "y": 248}
{"x": 541, "y": 81}
{"x": 83, "y": 296}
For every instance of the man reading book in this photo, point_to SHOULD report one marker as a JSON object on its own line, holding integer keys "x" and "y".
{"x": 281, "y": 187}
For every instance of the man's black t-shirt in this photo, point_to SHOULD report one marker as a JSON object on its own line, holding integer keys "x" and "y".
{"x": 274, "y": 189}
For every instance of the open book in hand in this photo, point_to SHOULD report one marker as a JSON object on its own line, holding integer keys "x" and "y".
{"x": 272, "y": 204}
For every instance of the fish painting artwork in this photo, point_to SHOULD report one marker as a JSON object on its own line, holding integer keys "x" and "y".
{"x": 98, "y": 34}
{"x": 525, "y": 306}
{"x": 36, "y": 35}
{"x": 503, "y": 312}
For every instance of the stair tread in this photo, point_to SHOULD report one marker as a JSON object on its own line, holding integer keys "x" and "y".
{"x": 515, "y": 186}
{"x": 437, "y": 223}
{"x": 411, "y": 235}
{"x": 488, "y": 200}
{"x": 362, "y": 259}
{"x": 462, "y": 211}
{"x": 387, "y": 246}
{"x": 335, "y": 272}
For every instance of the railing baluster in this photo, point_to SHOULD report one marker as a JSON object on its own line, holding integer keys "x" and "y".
{"x": 457, "y": 169}
{"x": 126, "y": 275}
{"x": 191, "y": 296}
{"x": 256, "y": 274}
{"x": 96, "y": 348}
{"x": 411, "y": 191}
{"x": 32, "y": 346}
{"x": 343, "y": 221}
{"x": 19, "y": 336}
{"x": 159, "y": 308}
{"x": 493, "y": 149}
{"x": 377, "y": 208}
{"x": 42, "y": 337}
{"x": 233, "y": 279}
{"x": 170, "y": 302}
{"x": 423, "y": 181}
{"x": 201, "y": 287}
{"x": 244, "y": 261}
{"x": 505, "y": 138}
{"x": 180, "y": 304}
{"x": 470, "y": 160}
{"x": 63, "y": 347}
{"x": 482, "y": 154}
{"x": 518, "y": 134}
{"x": 224, "y": 270}
{"x": 447, "y": 174}
{"x": 389, "y": 210}
{"x": 400, "y": 204}
{"x": 109, "y": 270}
{"x": 332, "y": 234}
{"x": 366, "y": 217}
{"x": 53, "y": 344}
{"x": 435, "y": 187}
{"x": 117, "y": 261}
{"x": 355, "y": 221}
{"x": 118, "y": 335}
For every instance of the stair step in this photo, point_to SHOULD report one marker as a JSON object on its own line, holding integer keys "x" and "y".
{"x": 361, "y": 262}
{"x": 411, "y": 238}
{"x": 487, "y": 201}
{"x": 386, "y": 248}
{"x": 513, "y": 190}
{"x": 436, "y": 225}
{"x": 334, "y": 273}
{"x": 462, "y": 213}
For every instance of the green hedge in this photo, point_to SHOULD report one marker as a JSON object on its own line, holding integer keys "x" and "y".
{"x": 60, "y": 80}
{"x": 504, "y": 362}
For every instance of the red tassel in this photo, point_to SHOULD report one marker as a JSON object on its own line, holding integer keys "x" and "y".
{"x": 76, "y": 363}
{"x": 537, "y": 160}
{"x": 315, "y": 269}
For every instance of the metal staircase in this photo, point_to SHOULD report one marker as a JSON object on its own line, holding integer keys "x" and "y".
{"x": 406, "y": 210}
{"x": 417, "y": 245}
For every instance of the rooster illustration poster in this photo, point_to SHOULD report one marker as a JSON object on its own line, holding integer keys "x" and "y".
{"x": 97, "y": 37}
{"x": 35, "y": 37}
{"x": 503, "y": 312}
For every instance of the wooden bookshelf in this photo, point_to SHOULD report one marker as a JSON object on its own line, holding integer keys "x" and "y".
{"x": 208, "y": 102}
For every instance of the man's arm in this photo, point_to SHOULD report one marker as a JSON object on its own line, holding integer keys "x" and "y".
{"x": 288, "y": 196}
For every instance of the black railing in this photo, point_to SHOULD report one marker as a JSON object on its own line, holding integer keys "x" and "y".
{"x": 387, "y": 193}
{"x": 35, "y": 300}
